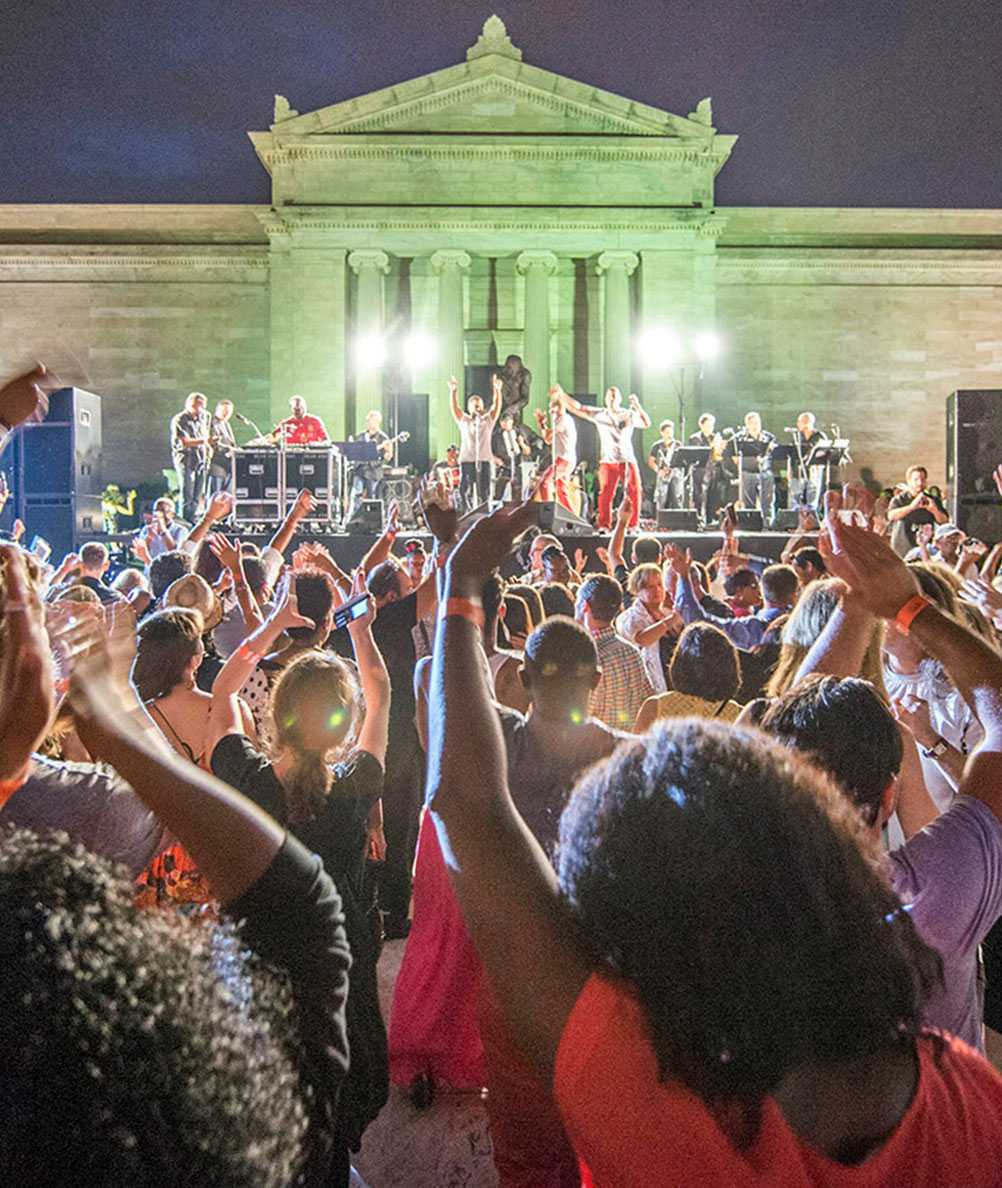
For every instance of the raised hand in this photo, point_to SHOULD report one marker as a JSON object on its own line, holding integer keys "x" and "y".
{"x": 363, "y": 622}
{"x": 679, "y": 559}
{"x": 220, "y": 506}
{"x": 26, "y": 398}
{"x": 227, "y": 554}
{"x": 914, "y": 713}
{"x": 486, "y": 545}
{"x": 439, "y": 514}
{"x": 140, "y": 551}
{"x": 807, "y": 521}
{"x": 997, "y": 477}
{"x": 304, "y": 505}
{"x": 393, "y": 518}
{"x": 453, "y": 385}
{"x": 286, "y": 611}
{"x": 872, "y": 569}
{"x": 580, "y": 560}
{"x": 17, "y": 530}
{"x": 27, "y": 693}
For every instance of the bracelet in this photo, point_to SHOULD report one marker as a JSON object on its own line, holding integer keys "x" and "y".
{"x": 245, "y": 651}
{"x": 910, "y": 612}
{"x": 465, "y": 608}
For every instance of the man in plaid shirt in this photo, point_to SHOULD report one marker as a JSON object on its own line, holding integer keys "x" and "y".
{"x": 624, "y": 685}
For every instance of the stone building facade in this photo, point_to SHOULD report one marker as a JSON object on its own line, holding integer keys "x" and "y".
{"x": 497, "y": 208}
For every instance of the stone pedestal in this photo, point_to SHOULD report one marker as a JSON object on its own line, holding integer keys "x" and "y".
{"x": 537, "y": 268}
{"x": 370, "y": 267}
{"x": 450, "y": 267}
{"x": 617, "y": 268}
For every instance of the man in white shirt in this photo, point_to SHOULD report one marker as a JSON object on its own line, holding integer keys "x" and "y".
{"x": 561, "y": 435}
{"x": 617, "y": 461}
{"x": 475, "y": 454}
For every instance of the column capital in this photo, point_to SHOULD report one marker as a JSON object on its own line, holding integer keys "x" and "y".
{"x": 546, "y": 261}
{"x": 450, "y": 258}
{"x": 372, "y": 259}
{"x": 627, "y": 261}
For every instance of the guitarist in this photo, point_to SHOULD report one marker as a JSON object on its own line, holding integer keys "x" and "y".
{"x": 367, "y": 479}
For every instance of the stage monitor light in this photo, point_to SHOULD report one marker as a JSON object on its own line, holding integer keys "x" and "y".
{"x": 659, "y": 347}
{"x": 707, "y": 347}
{"x": 370, "y": 352}
{"x": 419, "y": 349}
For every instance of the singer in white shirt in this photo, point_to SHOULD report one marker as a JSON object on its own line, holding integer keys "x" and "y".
{"x": 475, "y": 454}
{"x": 561, "y": 435}
{"x": 617, "y": 460}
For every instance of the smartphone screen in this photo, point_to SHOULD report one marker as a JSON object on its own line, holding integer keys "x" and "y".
{"x": 41, "y": 548}
{"x": 355, "y": 609}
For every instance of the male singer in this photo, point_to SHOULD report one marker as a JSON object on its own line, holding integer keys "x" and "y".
{"x": 617, "y": 461}
{"x": 758, "y": 485}
{"x": 223, "y": 445}
{"x": 806, "y": 489}
{"x": 476, "y": 427}
{"x": 190, "y": 434}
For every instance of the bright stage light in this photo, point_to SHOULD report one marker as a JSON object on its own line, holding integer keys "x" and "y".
{"x": 419, "y": 349}
{"x": 370, "y": 351}
{"x": 707, "y": 347}
{"x": 659, "y": 347}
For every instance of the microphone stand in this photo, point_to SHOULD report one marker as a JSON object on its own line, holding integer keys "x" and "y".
{"x": 247, "y": 421}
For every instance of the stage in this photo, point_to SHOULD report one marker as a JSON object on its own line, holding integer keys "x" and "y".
{"x": 348, "y": 549}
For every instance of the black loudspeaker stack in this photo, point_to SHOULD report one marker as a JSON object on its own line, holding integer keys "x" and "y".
{"x": 678, "y": 519}
{"x": 973, "y": 450}
{"x": 412, "y": 417}
{"x": 56, "y": 476}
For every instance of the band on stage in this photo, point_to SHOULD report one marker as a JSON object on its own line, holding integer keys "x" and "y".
{"x": 499, "y": 457}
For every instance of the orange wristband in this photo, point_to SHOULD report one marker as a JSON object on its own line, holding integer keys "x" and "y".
{"x": 465, "y": 608}
{"x": 9, "y": 787}
{"x": 910, "y": 612}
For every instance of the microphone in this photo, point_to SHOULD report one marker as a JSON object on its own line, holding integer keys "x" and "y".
{"x": 789, "y": 428}
{"x": 241, "y": 418}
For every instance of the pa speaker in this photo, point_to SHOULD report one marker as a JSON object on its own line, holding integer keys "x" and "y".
{"x": 61, "y": 456}
{"x": 749, "y": 519}
{"x": 65, "y": 522}
{"x": 367, "y": 518}
{"x": 678, "y": 519}
{"x": 557, "y": 520}
{"x": 973, "y": 447}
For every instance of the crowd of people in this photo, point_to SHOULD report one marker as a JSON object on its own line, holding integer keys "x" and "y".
{"x": 698, "y": 866}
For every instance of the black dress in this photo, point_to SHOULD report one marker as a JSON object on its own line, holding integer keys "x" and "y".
{"x": 338, "y": 835}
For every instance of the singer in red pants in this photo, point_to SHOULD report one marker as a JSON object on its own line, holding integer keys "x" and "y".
{"x": 617, "y": 460}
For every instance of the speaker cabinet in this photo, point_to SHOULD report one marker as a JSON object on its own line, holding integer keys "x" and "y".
{"x": 678, "y": 519}
{"x": 65, "y": 522}
{"x": 62, "y": 455}
{"x": 412, "y": 418}
{"x": 556, "y": 519}
{"x": 367, "y": 519}
{"x": 749, "y": 519}
{"x": 973, "y": 450}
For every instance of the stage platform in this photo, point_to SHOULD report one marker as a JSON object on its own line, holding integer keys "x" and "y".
{"x": 349, "y": 548}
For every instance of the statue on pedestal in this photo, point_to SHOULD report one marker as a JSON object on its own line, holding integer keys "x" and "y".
{"x": 515, "y": 381}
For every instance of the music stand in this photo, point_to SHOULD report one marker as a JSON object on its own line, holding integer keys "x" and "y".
{"x": 827, "y": 454}
{"x": 691, "y": 458}
{"x": 353, "y": 453}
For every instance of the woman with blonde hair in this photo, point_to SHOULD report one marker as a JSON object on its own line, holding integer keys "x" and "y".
{"x": 807, "y": 620}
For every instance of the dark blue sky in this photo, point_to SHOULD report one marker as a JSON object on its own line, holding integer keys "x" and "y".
{"x": 837, "y": 102}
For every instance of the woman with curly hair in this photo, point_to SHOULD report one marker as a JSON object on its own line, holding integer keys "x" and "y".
{"x": 322, "y": 779}
{"x": 139, "y": 1050}
{"x": 718, "y": 982}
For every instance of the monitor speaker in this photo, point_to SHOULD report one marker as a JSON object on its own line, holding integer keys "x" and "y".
{"x": 556, "y": 519}
{"x": 678, "y": 519}
{"x": 973, "y": 448}
{"x": 787, "y": 519}
{"x": 367, "y": 518}
{"x": 749, "y": 519}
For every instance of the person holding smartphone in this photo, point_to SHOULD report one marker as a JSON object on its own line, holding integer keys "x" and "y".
{"x": 912, "y": 507}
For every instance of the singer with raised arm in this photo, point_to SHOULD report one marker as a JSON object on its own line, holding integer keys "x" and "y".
{"x": 476, "y": 428}
{"x": 302, "y": 428}
{"x": 190, "y": 447}
{"x": 617, "y": 460}
{"x": 561, "y": 435}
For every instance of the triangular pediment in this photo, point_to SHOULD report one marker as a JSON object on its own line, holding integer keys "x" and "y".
{"x": 493, "y": 93}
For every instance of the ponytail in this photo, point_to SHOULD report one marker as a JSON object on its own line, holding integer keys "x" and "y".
{"x": 306, "y": 787}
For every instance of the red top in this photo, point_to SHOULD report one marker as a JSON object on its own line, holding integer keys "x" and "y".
{"x": 308, "y": 430}
{"x": 634, "y": 1131}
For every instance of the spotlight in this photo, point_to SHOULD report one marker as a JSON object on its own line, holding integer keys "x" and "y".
{"x": 370, "y": 351}
{"x": 419, "y": 349}
{"x": 659, "y": 347}
{"x": 707, "y": 346}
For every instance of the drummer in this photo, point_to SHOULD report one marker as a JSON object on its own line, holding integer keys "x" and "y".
{"x": 302, "y": 428}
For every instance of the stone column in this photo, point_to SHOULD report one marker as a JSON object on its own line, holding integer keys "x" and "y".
{"x": 617, "y": 268}
{"x": 450, "y": 267}
{"x": 370, "y": 267}
{"x": 537, "y": 268}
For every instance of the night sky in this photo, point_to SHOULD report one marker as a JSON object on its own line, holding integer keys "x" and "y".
{"x": 841, "y": 102}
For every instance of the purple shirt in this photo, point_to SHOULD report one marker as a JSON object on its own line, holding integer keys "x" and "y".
{"x": 951, "y": 874}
